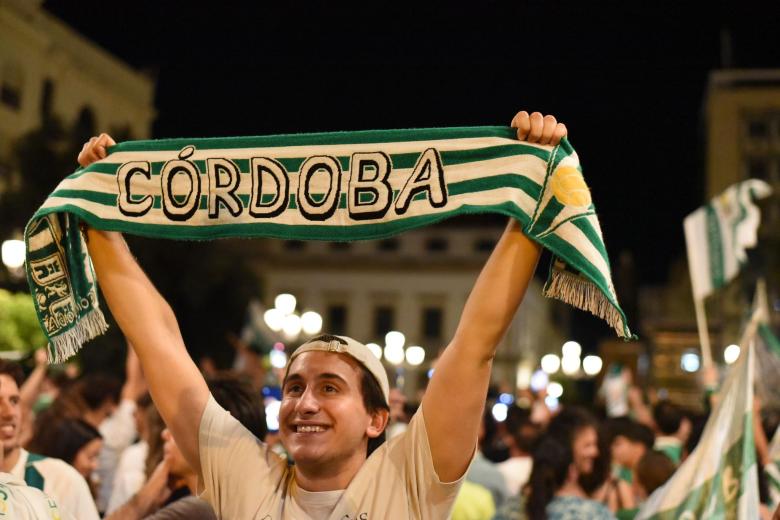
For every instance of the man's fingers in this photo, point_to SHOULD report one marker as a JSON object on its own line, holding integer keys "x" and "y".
{"x": 548, "y": 127}
{"x": 522, "y": 122}
{"x": 559, "y": 133}
{"x": 537, "y": 125}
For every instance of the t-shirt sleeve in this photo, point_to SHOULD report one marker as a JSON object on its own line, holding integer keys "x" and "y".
{"x": 236, "y": 466}
{"x": 185, "y": 509}
{"x": 429, "y": 496}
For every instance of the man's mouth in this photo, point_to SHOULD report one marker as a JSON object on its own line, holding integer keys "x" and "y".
{"x": 7, "y": 429}
{"x": 308, "y": 428}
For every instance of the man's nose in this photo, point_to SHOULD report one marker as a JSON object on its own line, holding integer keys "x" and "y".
{"x": 308, "y": 402}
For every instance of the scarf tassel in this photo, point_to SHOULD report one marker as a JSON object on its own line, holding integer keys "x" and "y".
{"x": 67, "y": 344}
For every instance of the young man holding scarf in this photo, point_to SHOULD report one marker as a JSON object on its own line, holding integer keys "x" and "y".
{"x": 334, "y": 403}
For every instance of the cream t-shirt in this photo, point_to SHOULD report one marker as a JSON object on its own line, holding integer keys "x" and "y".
{"x": 243, "y": 479}
{"x": 18, "y": 501}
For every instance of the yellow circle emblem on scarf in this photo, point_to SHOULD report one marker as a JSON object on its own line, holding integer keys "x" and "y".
{"x": 568, "y": 186}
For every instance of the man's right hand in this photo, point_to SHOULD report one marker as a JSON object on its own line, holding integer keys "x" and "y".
{"x": 95, "y": 149}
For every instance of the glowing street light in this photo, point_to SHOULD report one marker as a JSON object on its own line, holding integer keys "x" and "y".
{"x": 274, "y": 319}
{"x": 292, "y": 325}
{"x": 690, "y": 361}
{"x": 311, "y": 322}
{"x": 570, "y": 365}
{"x": 500, "y": 411}
{"x": 555, "y": 389}
{"x": 285, "y": 303}
{"x": 394, "y": 354}
{"x": 375, "y": 349}
{"x": 731, "y": 354}
{"x": 592, "y": 365}
{"x": 551, "y": 363}
{"x": 395, "y": 339}
{"x": 571, "y": 349}
{"x": 415, "y": 355}
{"x": 13, "y": 252}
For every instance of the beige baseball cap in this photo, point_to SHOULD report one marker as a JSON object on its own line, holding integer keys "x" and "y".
{"x": 347, "y": 345}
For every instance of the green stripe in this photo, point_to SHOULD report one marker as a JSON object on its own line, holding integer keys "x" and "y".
{"x": 548, "y": 214}
{"x": 715, "y": 248}
{"x": 578, "y": 261}
{"x": 773, "y": 343}
{"x": 314, "y": 139}
{"x": 593, "y": 236}
{"x": 284, "y": 231}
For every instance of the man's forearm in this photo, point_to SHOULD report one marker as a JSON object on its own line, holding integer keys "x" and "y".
{"x": 498, "y": 292}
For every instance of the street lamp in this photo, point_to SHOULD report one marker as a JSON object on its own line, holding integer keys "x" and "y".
{"x": 551, "y": 363}
{"x": 13, "y": 254}
{"x": 592, "y": 365}
{"x": 731, "y": 354}
{"x": 415, "y": 355}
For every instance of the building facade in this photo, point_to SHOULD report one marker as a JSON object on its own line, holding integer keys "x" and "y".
{"x": 49, "y": 69}
{"x": 416, "y": 283}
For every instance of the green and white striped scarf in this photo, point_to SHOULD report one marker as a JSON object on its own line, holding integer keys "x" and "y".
{"x": 328, "y": 186}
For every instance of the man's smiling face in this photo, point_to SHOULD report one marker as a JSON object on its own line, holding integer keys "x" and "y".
{"x": 323, "y": 420}
{"x": 10, "y": 413}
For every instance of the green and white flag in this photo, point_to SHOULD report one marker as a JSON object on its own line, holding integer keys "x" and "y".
{"x": 719, "y": 479}
{"x": 329, "y": 186}
{"x": 717, "y": 235}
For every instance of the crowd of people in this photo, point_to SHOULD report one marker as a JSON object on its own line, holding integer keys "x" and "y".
{"x": 99, "y": 448}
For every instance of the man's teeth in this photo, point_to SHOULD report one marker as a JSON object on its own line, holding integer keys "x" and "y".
{"x": 7, "y": 429}
{"x": 310, "y": 429}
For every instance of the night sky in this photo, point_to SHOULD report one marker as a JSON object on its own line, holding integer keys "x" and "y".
{"x": 628, "y": 81}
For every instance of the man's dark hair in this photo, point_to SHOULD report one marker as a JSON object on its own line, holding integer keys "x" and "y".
{"x": 237, "y": 397}
{"x": 667, "y": 417}
{"x": 96, "y": 389}
{"x": 12, "y": 370}
{"x": 631, "y": 430}
{"x": 525, "y": 433}
{"x": 374, "y": 401}
{"x": 653, "y": 470}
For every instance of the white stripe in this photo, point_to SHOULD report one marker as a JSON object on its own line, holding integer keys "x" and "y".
{"x": 696, "y": 243}
{"x": 574, "y": 236}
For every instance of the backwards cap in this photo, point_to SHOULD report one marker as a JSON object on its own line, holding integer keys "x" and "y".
{"x": 358, "y": 351}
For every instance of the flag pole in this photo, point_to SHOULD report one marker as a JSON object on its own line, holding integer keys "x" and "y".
{"x": 704, "y": 336}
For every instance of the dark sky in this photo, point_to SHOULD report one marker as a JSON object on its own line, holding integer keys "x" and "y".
{"x": 627, "y": 79}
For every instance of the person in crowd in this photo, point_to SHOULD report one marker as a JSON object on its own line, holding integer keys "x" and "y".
{"x": 485, "y": 472}
{"x": 567, "y": 452}
{"x": 474, "y": 502}
{"x": 673, "y": 429}
{"x": 235, "y": 395}
{"x": 73, "y": 440}
{"x": 139, "y": 460}
{"x": 398, "y": 418}
{"x": 334, "y": 408}
{"x": 522, "y": 436}
{"x": 54, "y": 477}
{"x": 629, "y": 441}
{"x": 651, "y": 471}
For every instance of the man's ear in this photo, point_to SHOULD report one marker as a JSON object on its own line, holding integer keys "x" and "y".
{"x": 378, "y": 423}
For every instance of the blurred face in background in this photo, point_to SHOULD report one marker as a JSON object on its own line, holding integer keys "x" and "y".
{"x": 86, "y": 460}
{"x": 585, "y": 450}
{"x": 626, "y": 452}
{"x": 10, "y": 414}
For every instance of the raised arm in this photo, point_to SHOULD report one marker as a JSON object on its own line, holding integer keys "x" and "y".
{"x": 453, "y": 403}
{"x": 148, "y": 323}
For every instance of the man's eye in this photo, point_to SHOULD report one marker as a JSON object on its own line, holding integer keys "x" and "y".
{"x": 294, "y": 389}
{"x": 330, "y": 388}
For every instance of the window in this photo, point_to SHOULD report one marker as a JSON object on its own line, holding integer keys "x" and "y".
{"x": 389, "y": 244}
{"x": 433, "y": 319}
{"x": 336, "y": 317}
{"x": 11, "y": 88}
{"x": 758, "y": 168}
{"x": 758, "y": 129}
{"x": 294, "y": 245}
{"x": 47, "y": 98}
{"x": 384, "y": 318}
{"x": 484, "y": 245}
{"x": 436, "y": 245}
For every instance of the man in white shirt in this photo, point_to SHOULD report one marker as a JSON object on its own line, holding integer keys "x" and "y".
{"x": 54, "y": 477}
{"x": 326, "y": 420}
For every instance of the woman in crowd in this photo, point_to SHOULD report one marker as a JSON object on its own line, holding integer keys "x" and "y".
{"x": 566, "y": 455}
{"x": 73, "y": 440}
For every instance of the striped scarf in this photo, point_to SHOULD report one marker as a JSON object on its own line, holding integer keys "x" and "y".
{"x": 330, "y": 186}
